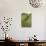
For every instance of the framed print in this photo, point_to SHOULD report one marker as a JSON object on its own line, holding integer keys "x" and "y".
{"x": 26, "y": 19}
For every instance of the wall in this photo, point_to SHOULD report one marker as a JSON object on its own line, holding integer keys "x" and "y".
{"x": 14, "y": 8}
{"x": 45, "y": 28}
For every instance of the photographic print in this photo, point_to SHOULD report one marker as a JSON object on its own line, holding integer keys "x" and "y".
{"x": 26, "y": 19}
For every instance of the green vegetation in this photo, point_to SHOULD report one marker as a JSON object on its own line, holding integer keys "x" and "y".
{"x": 26, "y": 20}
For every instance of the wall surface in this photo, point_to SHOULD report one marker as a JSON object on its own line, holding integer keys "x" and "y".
{"x": 14, "y": 8}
